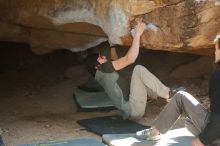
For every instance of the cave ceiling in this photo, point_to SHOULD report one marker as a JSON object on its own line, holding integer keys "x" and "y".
{"x": 172, "y": 25}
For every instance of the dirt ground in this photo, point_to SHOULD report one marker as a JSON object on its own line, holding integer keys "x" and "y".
{"x": 36, "y": 101}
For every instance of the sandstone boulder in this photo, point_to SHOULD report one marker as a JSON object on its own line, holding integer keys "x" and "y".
{"x": 173, "y": 25}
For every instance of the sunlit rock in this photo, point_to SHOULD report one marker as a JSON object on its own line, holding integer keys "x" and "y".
{"x": 175, "y": 25}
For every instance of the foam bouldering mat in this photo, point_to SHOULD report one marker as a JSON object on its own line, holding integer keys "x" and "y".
{"x": 1, "y": 141}
{"x": 110, "y": 125}
{"x": 175, "y": 137}
{"x": 92, "y": 101}
{"x": 71, "y": 142}
{"x": 91, "y": 86}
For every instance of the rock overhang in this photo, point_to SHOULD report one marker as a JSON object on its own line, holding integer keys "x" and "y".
{"x": 181, "y": 25}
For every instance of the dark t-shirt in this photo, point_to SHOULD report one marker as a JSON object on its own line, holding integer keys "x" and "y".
{"x": 212, "y": 129}
{"x": 123, "y": 81}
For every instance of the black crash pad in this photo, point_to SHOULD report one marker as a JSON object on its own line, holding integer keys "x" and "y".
{"x": 92, "y": 101}
{"x": 111, "y": 125}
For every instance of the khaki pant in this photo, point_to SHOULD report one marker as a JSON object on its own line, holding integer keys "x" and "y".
{"x": 183, "y": 102}
{"x": 144, "y": 84}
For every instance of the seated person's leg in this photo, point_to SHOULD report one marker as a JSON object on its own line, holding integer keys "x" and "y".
{"x": 181, "y": 102}
{"x": 216, "y": 142}
{"x": 191, "y": 127}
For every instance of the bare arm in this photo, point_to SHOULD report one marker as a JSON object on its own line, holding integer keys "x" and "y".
{"x": 133, "y": 51}
{"x": 114, "y": 55}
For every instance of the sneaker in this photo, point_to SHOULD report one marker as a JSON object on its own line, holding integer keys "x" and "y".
{"x": 173, "y": 91}
{"x": 147, "y": 134}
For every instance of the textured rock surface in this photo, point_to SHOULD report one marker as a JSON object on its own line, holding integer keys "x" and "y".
{"x": 173, "y": 25}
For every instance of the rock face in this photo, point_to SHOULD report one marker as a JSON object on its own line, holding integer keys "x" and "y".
{"x": 172, "y": 25}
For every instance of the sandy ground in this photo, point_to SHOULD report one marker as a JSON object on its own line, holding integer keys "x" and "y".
{"x": 35, "y": 110}
{"x": 36, "y": 103}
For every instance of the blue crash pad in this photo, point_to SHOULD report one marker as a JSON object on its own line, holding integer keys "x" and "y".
{"x": 92, "y": 101}
{"x": 1, "y": 141}
{"x": 71, "y": 142}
